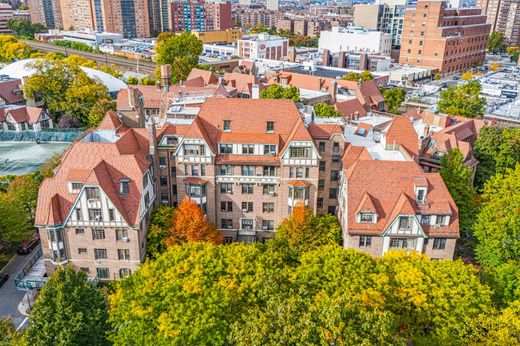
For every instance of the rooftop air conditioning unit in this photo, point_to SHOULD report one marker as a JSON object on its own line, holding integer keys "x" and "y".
{"x": 162, "y": 166}
{"x": 244, "y": 210}
{"x": 264, "y": 228}
{"x": 271, "y": 193}
{"x": 229, "y": 227}
{"x": 125, "y": 239}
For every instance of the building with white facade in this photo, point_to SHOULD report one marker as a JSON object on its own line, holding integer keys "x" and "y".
{"x": 355, "y": 39}
{"x": 263, "y": 46}
{"x": 272, "y": 5}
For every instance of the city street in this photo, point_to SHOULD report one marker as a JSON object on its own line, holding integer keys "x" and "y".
{"x": 10, "y": 296}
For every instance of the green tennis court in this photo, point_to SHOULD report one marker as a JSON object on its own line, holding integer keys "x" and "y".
{"x": 18, "y": 158}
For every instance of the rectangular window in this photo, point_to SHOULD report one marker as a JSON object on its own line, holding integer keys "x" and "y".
{"x": 439, "y": 244}
{"x": 267, "y": 225}
{"x": 247, "y": 224}
{"x": 111, "y": 215}
{"x": 123, "y": 254}
{"x": 203, "y": 170}
{"x": 227, "y": 223}
{"x": 247, "y": 188}
{"x": 80, "y": 231}
{"x": 174, "y": 189}
{"x": 248, "y": 149}
{"x": 82, "y": 250}
{"x": 228, "y": 240}
{"x": 195, "y": 170}
{"x": 226, "y": 188}
{"x": 248, "y": 170}
{"x": 307, "y": 172}
{"x": 269, "y": 149}
{"x": 299, "y": 172}
{"x": 268, "y": 207}
{"x": 225, "y": 170}
{"x": 226, "y": 206}
{"x": 84, "y": 269}
{"x": 335, "y": 147}
{"x": 270, "y": 127}
{"x": 124, "y": 186}
{"x": 425, "y": 219}
{"x": 100, "y": 253}
{"x": 321, "y": 185}
{"x": 405, "y": 222}
{"x": 333, "y": 193}
{"x": 366, "y": 217}
{"x": 441, "y": 220}
{"x": 173, "y": 172}
{"x": 98, "y": 233}
{"x": 321, "y": 146}
{"x": 331, "y": 210}
{"x": 402, "y": 243}
{"x": 226, "y": 149}
{"x": 103, "y": 273}
{"x": 269, "y": 171}
{"x": 291, "y": 172}
{"x": 336, "y": 158}
{"x": 365, "y": 241}
{"x": 268, "y": 189}
{"x": 322, "y": 166}
{"x": 76, "y": 186}
{"x": 122, "y": 234}
{"x": 163, "y": 180}
{"x": 79, "y": 215}
{"x": 193, "y": 150}
{"x": 334, "y": 175}
{"x": 162, "y": 161}
{"x": 297, "y": 152}
{"x": 319, "y": 203}
{"x": 95, "y": 215}
{"x": 92, "y": 193}
{"x": 227, "y": 126}
{"x": 421, "y": 194}
{"x": 247, "y": 207}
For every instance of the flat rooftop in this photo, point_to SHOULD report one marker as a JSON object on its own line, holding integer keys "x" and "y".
{"x": 19, "y": 158}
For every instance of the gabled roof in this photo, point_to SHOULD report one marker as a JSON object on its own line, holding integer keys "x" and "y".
{"x": 101, "y": 164}
{"x": 21, "y": 114}
{"x": 351, "y": 109}
{"x": 207, "y": 76}
{"x": 111, "y": 122}
{"x": 11, "y": 92}
{"x": 402, "y": 132}
{"x": 242, "y": 82}
{"x": 324, "y": 131}
{"x": 354, "y": 153}
{"x": 366, "y": 205}
{"x": 390, "y": 185}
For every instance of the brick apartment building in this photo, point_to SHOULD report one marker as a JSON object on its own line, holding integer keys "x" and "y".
{"x": 200, "y": 16}
{"x": 448, "y": 39}
{"x": 504, "y": 16}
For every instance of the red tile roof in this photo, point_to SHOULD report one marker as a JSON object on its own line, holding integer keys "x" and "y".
{"x": 299, "y": 183}
{"x": 390, "y": 186}
{"x": 402, "y": 132}
{"x": 324, "y": 131}
{"x": 21, "y": 114}
{"x": 207, "y": 76}
{"x": 102, "y": 164}
{"x": 11, "y": 92}
{"x": 351, "y": 109}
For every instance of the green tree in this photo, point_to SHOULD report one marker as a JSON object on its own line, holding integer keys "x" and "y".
{"x": 505, "y": 281}
{"x": 355, "y": 77}
{"x": 496, "y": 149}
{"x": 82, "y": 97}
{"x": 324, "y": 110}
{"x": 458, "y": 180}
{"x": 8, "y": 335}
{"x": 99, "y": 110}
{"x": 462, "y": 100}
{"x": 47, "y": 169}
{"x": 394, "y": 97}
{"x": 514, "y": 53}
{"x": 276, "y": 91}
{"x": 22, "y": 27}
{"x": 302, "y": 231}
{"x": 497, "y": 227}
{"x": 132, "y": 80}
{"x": 181, "y": 51}
{"x": 69, "y": 311}
{"x": 496, "y": 42}
{"x": 160, "y": 223}
{"x": 112, "y": 70}
{"x": 191, "y": 295}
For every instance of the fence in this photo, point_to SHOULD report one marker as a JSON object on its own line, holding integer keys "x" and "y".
{"x": 47, "y": 135}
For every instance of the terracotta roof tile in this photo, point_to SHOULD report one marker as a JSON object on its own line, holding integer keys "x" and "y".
{"x": 11, "y": 92}
{"x": 402, "y": 132}
{"x": 351, "y": 109}
{"x": 324, "y": 131}
{"x": 299, "y": 183}
{"x": 207, "y": 76}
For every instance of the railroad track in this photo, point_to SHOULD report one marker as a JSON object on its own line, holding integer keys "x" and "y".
{"x": 145, "y": 67}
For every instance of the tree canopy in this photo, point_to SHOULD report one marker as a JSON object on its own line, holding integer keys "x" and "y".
{"x": 355, "y": 77}
{"x": 68, "y": 311}
{"x": 324, "y": 110}
{"x": 160, "y": 223}
{"x": 99, "y": 109}
{"x": 11, "y": 49}
{"x": 394, "y": 97}
{"x": 276, "y": 91}
{"x": 462, "y": 100}
{"x": 496, "y": 42}
{"x": 180, "y": 51}
{"x": 497, "y": 227}
{"x": 189, "y": 224}
{"x": 22, "y": 27}
{"x": 458, "y": 180}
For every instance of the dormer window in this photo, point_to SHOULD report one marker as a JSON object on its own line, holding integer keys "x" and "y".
{"x": 421, "y": 195}
{"x": 227, "y": 125}
{"x": 270, "y": 127}
{"x": 171, "y": 140}
{"x": 124, "y": 186}
{"x": 75, "y": 187}
{"x": 92, "y": 193}
{"x": 367, "y": 217}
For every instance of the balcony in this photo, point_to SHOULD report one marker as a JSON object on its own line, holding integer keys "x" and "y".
{"x": 298, "y": 192}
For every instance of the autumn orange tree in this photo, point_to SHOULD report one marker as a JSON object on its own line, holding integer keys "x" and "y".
{"x": 302, "y": 231}
{"x": 189, "y": 224}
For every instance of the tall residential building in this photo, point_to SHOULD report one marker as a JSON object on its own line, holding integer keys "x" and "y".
{"x": 77, "y": 14}
{"x": 94, "y": 212}
{"x": 504, "y": 16}
{"x": 200, "y": 16}
{"x": 46, "y": 12}
{"x": 272, "y": 5}
{"x": 6, "y": 13}
{"x": 448, "y": 39}
{"x": 249, "y": 16}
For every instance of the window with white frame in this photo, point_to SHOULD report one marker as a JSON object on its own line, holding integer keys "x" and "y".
{"x": 103, "y": 273}
{"x": 425, "y": 219}
{"x": 98, "y": 234}
{"x": 75, "y": 187}
{"x": 268, "y": 189}
{"x": 226, "y": 188}
{"x": 367, "y": 217}
{"x": 402, "y": 243}
{"x": 247, "y": 207}
{"x": 124, "y": 186}
{"x": 248, "y": 170}
{"x": 95, "y": 214}
{"x": 268, "y": 207}
{"x": 123, "y": 254}
{"x": 124, "y": 272}
{"x": 225, "y": 170}
{"x": 439, "y": 243}
{"x": 441, "y": 220}
{"x": 248, "y": 149}
{"x": 365, "y": 241}
{"x": 405, "y": 223}
{"x": 267, "y": 225}
{"x": 193, "y": 150}
{"x": 247, "y": 188}
{"x": 300, "y": 152}
{"x": 226, "y": 149}
{"x": 122, "y": 234}
{"x": 92, "y": 193}
{"x": 247, "y": 224}
{"x": 269, "y": 149}
{"x": 100, "y": 253}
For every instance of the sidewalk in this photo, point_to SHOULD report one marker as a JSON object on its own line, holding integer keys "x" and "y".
{"x": 27, "y": 302}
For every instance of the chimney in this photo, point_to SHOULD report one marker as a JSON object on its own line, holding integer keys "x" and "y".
{"x": 220, "y": 80}
{"x": 325, "y": 58}
{"x": 158, "y": 85}
{"x": 255, "y": 91}
{"x": 165, "y": 77}
{"x": 333, "y": 86}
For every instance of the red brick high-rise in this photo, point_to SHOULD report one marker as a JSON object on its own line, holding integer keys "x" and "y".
{"x": 448, "y": 39}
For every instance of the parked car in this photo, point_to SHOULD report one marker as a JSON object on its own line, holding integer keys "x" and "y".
{"x": 3, "y": 278}
{"x": 28, "y": 245}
